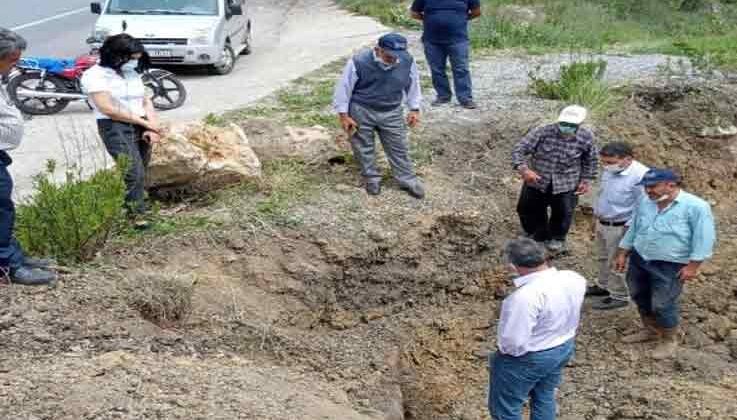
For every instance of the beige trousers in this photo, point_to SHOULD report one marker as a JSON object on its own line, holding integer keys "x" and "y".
{"x": 607, "y": 242}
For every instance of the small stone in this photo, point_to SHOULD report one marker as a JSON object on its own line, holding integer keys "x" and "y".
{"x": 373, "y": 315}
{"x": 471, "y": 290}
{"x": 236, "y": 243}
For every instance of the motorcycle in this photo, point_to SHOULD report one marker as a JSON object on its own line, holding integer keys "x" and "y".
{"x": 45, "y": 86}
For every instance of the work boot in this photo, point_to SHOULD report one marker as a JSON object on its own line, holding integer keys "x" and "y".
{"x": 667, "y": 345}
{"x": 596, "y": 291}
{"x": 469, "y": 105}
{"x": 441, "y": 101}
{"x": 373, "y": 188}
{"x": 649, "y": 332}
{"x": 31, "y": 262}
{"x": 609, "y": 303}
{"x": 31, "y": 276}
{"x": 415, "y": 189}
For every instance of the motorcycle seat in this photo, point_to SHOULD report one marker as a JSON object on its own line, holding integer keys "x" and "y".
{"x": 52, "y": 65}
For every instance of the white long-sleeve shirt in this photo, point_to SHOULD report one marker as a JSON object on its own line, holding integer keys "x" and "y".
{"x": 347, "y": 82}
{"x": 542, "y": 313}
{"x": 11, "y": 123}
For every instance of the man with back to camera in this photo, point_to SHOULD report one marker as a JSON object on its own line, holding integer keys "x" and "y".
{"x": 445, "y": 36}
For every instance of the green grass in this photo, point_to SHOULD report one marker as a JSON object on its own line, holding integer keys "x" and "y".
{"x": 579, "y": 83}
{"x": 589, "y": 25}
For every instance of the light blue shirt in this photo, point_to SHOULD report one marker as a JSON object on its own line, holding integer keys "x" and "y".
{"x": 682, "y": 232}
{"x": 619, "y": 193}
{"x": 344, "y": 88}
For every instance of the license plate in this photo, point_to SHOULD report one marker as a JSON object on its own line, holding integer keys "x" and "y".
{"x": 159, "y": 53}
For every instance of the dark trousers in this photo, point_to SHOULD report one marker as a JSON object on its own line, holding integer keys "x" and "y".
{"x": 532, "y": 209}
{"x": 123, "y": 139}
{"x": 655, "y": 288}
{"x": 437, "y": 56}
{"x": 11, "y": 254}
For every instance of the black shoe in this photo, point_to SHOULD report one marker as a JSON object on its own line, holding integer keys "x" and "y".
{"x": 31, "y": 276}
{"x": 373, "y": 188}
{"x": 416, "y": 190}
{"x": 609, "y": 303}
{"x": 469, "y": 105}
{"x": 596, "y": 291}
{"x": 440, "y": 101}
{"x": 31, "y": 262}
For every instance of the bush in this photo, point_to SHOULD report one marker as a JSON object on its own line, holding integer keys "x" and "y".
{"x": 72, "y": 220}
{"x": 580, "y": 82}
{"x": 161, "y": 299}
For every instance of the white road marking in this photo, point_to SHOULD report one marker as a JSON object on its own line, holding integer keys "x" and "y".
{"x": 51, "y": 18}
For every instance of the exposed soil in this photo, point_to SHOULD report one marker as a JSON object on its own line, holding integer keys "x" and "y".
{"x": 376, "y": 308}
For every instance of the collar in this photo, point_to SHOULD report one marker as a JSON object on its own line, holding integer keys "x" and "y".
{"x": 627, "y": 170}
{"x": 527, "y": 279}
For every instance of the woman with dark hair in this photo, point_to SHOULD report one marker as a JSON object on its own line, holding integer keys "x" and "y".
{"x": 126, "y": 119}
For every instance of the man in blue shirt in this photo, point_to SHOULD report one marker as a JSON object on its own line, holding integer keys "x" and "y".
{"x": 445, "y": 36}
{"x": 671, "y": 234}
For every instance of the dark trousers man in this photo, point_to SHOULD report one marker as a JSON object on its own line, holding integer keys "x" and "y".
{"x": 11, "y": 255}
{"x": 532, "y": 209}
{"x": 437, "y": 56}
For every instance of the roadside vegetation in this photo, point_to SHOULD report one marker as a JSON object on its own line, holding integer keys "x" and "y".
{"x": 701, "y": 29}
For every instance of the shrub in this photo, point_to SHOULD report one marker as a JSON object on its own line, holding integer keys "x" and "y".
{"x": 72, "y": 220}
{"x": 161, "y": 299}
{"x": 579, "y": 82}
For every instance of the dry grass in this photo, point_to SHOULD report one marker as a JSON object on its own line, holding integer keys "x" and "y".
{"x": 162, "y": 299}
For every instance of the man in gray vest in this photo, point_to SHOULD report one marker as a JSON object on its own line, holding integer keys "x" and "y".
{"x": 368, "y": 99}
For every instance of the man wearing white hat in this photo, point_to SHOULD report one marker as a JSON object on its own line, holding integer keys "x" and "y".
{"x": 557, "y": 163}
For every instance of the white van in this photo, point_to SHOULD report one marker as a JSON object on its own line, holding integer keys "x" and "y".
{"x": 181, "y": 32}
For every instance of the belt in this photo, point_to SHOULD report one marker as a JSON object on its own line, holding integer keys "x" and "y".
{"x": 607, "y": 223}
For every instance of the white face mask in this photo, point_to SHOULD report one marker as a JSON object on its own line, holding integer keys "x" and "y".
{"x": 130, "y": 65}
{"x": 613, "y": 168}
{"x": 662, "y": 198}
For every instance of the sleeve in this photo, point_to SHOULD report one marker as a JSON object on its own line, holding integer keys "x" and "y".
{"x": 344, "y": 88}
{"x": 414, "y": 94}
{"x": 525, "y": 148}
{"x": 589, "y": 161}
{"x": 516, "y": 322}
{"x": 639, "y": 196}
{"x": 628, "y": 241}
{"x": 703, "y": 233}
{"x": 11, "y": 124}
{"x": 94, "y": 81}
{"x": 418, "y": 6}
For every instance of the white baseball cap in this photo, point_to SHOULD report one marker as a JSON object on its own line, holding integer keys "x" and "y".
{"x": 574, "y": 114}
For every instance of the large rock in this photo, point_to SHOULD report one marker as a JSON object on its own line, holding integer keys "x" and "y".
{"x": 310, "y": 144}
{"x": 197, "y": 157}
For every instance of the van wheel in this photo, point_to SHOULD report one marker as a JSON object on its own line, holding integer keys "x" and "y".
{"x": 248, "y": 40}
{"x": 227, "y": 62}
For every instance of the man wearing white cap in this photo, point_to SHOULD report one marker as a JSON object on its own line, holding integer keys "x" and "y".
{"x": 557, "y": 163}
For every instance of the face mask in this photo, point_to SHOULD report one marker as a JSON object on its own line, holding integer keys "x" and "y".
{"x": 567, "y": 130}
{"x": 131, "y": 65}
{"x": 613, "y": 168}
{"x": 513, "y": 270}
{"x": 662, "y": 198}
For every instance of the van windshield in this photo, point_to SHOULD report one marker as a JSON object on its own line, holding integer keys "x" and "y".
{"x": 163, "y": 7}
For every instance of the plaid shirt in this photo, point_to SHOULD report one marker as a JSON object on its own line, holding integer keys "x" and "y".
{"x": 558, "y": 160}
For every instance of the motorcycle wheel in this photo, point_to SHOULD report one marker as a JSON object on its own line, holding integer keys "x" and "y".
{"x": 167, "y": 92}
{"x": 37, "y": 106}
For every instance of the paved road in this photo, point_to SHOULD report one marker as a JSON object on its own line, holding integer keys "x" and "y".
{"x": 52, "y": 27}
{"x": 292, "y": 37}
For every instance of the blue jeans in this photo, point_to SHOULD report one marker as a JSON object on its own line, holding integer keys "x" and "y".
{"x": 437, "y": 56}
{"x": 535, "y": 375}
{"x": 11, "y": 255}
{"x": 655, "y": 288}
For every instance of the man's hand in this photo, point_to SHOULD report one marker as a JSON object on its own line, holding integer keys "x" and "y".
{"x": 413, "y": 118}
{"x": 583, "y": 188}
{"x": 689, "y": 271}
{"x": 529, "y": 176}
{"x": 620, "y": 262}
{"x": 348, "y": 124}
{"x": 151, "y": 137}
